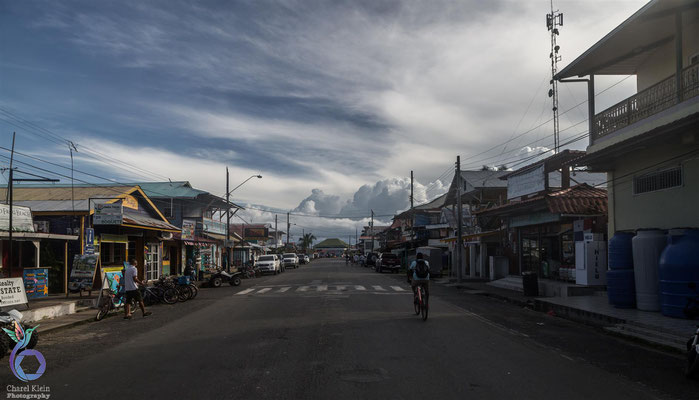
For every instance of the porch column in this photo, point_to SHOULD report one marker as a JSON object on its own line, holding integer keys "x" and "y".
{"x": 65, "y": 268}
{"x": 678, "y": 55}
{"x": 37, "y": 246}
{"x": 472, "y": 260}
{"x": 484, "y": 260}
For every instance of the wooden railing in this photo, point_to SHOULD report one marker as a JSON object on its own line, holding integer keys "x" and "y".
{"x": 653, "y": 100}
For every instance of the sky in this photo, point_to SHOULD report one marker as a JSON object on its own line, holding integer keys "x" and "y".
{"x": 332, "y": 102}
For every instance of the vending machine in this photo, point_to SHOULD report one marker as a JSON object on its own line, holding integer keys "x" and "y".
{"x": 591, "y": 260}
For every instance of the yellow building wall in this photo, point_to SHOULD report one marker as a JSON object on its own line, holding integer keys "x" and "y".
{"x": 665, "y": 209}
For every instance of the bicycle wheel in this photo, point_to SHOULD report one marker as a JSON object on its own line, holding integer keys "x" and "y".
{"x": 424, "y": 306}
{"x": 194, "y": 289}
{"x": 182, "y": 293}
{"x": 170, "y": 296}
{"x": 103, "y": 310}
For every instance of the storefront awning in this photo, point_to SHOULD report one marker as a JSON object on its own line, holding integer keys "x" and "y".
{"x": 36, "y": 236}
{"x": 216, "y": 236}
{"x": 471, "y": 236}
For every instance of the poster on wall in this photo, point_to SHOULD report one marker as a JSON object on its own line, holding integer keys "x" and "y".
{"x": 36, "y": 282}
{"x": 83, "y": 272}
{"x": 188, "y": 228}
{"x": 12, "y": 292}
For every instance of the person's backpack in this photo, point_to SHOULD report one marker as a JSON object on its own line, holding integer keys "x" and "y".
{"x": 421, "y": 269}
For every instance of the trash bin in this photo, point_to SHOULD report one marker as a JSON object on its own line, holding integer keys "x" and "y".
{"x": 530, "y": 284}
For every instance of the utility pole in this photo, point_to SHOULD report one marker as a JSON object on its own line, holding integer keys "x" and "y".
{"x": 288, "y": 229}
{"x": 228, "y": 222}
{"x": 276, "y": 233}
{"x": 459, "y": 219}
{"x": 553, "y": 21}
{"x": 372, "y": 231}
{"x": 9, "y": 187}
{"x": 411, "y": 190}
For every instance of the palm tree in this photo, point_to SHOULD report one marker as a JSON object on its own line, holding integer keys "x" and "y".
{"x": 307, "y": 241}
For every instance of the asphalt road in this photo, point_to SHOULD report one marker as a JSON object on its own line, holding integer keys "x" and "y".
{"x": 329, "y": 331}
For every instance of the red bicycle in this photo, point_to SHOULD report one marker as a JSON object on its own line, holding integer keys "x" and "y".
{"x": 421, "y": 301}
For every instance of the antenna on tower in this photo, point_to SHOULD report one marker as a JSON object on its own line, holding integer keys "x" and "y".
{"x": 553, "y": 21}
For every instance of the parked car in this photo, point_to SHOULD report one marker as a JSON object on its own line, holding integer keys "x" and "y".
{"x": 290, "y": 260}
{"x": 269, "y": 263}
{"x": 388, "y": 262}
{"x": 303, "y": 259}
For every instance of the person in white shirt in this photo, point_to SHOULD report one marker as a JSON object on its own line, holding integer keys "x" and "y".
{"x": 131, "y": 283}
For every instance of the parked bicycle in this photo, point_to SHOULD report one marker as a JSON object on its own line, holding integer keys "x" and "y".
{"x": 112, "y": 301}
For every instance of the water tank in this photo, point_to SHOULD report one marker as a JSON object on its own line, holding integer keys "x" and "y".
{"x": 647, "y": 246}
{"x": 679, "y": 267}
{"x": 620, "y": 251}
{"x": 621, "y": 288}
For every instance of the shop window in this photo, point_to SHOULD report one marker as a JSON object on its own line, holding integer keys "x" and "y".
{"x": 658, "y": 180}
{"x": 112, "y": 253}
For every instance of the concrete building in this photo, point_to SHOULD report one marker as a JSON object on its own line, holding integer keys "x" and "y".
{"x": 648, "y": 143}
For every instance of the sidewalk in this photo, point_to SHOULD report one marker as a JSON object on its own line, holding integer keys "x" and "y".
{"x": 649, "y": 327}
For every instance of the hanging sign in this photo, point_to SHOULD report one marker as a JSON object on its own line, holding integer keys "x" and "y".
{"x": 12, "y": 292}
{"x": 188, "y": 229}
{"x": 21, "y": 219}
{"x": 211, "y": 226}
{"x": 89, "y": 241}
{"x": 108, "y": 214}
{"x": 83, "y": 272}
{"x": 256, "y": 234}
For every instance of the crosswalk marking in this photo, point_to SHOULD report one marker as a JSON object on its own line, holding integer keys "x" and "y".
{"x": 379, "y": 288}
{"x": 265, "y": 290}
{"x": 329, "y": 289}
{"x": 322, "y": 288}
{"x": 398, "y": 288}
{"x": 246, "y": 291}
{"x": 359, "y": 287}
{"x": 341, "y": 287}
{"x": 284, "y": 289}
{"x": 302, "y": 289}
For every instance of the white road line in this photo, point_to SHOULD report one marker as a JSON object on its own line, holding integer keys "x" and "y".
{"x": 302, "y": 289}
{"x": 341, "y": 288}
{"x": 398, "y": 288}
{"x": 246, "y": 291}
{"x": 284, "y": 289}
{"x": 322, "y": 288}
{"x": 379, "y": 288}
{"x": 265, "y": 290}
{"x": 359, "y": 287}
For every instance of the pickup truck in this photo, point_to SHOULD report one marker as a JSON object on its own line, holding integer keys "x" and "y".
{"x": 388, "y": 262}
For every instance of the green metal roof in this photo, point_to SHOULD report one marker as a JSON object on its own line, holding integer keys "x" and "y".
{"x": 330, "y": 243}
{"x": 178, "y": 189}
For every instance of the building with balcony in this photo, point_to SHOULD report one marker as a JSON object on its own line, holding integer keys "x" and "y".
{"x": 648, "y": 144}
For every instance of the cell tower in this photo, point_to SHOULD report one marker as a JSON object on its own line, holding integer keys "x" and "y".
{"x": 553, "y": 21}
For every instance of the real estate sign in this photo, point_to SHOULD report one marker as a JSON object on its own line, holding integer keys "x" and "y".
{"x": 12, "y": 292}
{"x": 529, "y": 182}
{"x": 108, "y": 214}
{"x": 21, "y": 219}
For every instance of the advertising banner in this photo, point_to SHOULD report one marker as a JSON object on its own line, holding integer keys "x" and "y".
{"x": 526, "y": 183}
{"x": 21, "y": 219}
{"x": 36, "y": 282}
{"x": 113, "y": 277}
{"x": 188, "y": 229}
{"x": 108, "y": 214}
{"x": 83, "y": 272}
{"x": 256, "y": 234}
{"x": 12, "y": 292}
{"x": 212, "y": 226}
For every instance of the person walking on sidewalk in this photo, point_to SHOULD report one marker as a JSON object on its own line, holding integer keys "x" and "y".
{"x": 131, "y": 283}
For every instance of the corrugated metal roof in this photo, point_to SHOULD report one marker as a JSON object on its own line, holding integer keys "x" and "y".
{"x": 141, "y": 220}
{"x": 178, "y": 189}
{"x": 58, "y": 198}
{"x": 484, "y": 179}
{"x": 630, "y": 44}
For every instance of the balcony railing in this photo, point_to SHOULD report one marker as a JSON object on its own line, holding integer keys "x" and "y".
{"x": 653, "y": 100}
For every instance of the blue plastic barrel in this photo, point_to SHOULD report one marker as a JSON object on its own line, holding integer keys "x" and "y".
{"x": 679, "y": 268}
{"x": 620, "y": 251}
{"x": 621, "y": 288}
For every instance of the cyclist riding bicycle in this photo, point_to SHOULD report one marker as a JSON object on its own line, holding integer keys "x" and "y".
{"x": 419, "y": 274}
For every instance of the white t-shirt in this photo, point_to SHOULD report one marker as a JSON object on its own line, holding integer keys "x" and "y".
{"x": 129, "y": 274}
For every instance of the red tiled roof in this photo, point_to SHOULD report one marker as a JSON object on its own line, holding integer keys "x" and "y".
{"x": 581, "y": 199}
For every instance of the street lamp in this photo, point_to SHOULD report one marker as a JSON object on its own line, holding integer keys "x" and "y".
{"x": 228, "y": 211}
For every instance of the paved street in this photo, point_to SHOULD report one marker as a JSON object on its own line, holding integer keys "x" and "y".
{"x": 328, "y": 331}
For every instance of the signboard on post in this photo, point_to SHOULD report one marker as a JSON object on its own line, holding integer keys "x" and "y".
{"x": 89, "y": 241}
{"x": 256, "y": 234}
{"x": 12, "y": 292}
{"x": 529, "y": 182}
{"x": 21, "y": 218}
{"x": 211, "y": 226}
{"x": 83, "y": 272}
{"x": 108, "y": 214}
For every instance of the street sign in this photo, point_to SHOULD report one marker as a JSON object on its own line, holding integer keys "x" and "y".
{"x": 89, "y": 241}
{"x": 108, "y": 214}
